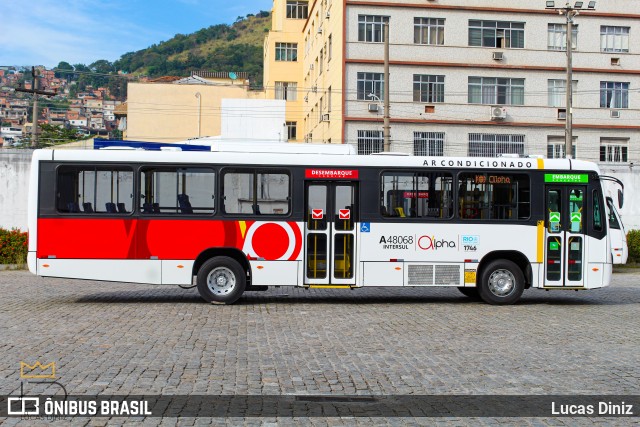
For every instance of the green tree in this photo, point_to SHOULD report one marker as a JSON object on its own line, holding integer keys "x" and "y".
{"x": 62, "y": 65}
{"x": 56, "y": 135}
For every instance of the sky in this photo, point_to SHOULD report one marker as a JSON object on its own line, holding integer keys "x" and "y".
{"x": 45, "y": 32}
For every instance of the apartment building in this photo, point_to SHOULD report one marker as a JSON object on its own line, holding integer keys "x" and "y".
{"x": 283, "y": 64}
{"x": 467, "y": 77}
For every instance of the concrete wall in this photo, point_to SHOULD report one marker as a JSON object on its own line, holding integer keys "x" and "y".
{"x": 14, "y": 188}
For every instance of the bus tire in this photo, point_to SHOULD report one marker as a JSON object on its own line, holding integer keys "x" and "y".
{"x": 221, "y": 280}
{"x": 472, "y": 293}
{"x": 501, "y": 282}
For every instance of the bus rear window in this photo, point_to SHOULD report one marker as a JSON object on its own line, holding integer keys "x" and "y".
{"x": 94, "y": 190}
{"x": 494, "y": 196}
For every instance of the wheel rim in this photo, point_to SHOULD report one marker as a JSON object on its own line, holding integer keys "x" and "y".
{"x": 502, "y": 283}
{"x": 221, "y": 281}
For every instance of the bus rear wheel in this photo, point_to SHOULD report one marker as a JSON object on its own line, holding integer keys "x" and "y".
{"x": 501, "y": 283}
{"x": 221, "y": 280}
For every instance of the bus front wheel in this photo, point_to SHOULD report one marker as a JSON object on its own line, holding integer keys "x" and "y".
{"x": 501, "y": 283}
{"x": 221, "y": 280}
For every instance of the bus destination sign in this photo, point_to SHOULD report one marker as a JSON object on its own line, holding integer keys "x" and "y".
{"x": 567, "y": 178}
{"x": 331, "y": 173}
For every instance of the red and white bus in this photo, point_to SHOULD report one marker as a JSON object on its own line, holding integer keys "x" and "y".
{"x": 236, "y": 222}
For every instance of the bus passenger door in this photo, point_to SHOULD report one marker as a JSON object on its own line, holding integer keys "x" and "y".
{"x": 564, "y": 236}
{"x": 330, "y": 239}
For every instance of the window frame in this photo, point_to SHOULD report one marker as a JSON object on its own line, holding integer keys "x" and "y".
{"x": 255, "y": 172}
{"x": 606, "y": 37}
{"x": 299, "y": 8}
{"x": 371, "y": 28}
{"x": 486, "y": 27}
{"x": 614, "y": 94}
{"x": 415, "y": 190}
{"x": 176, "y": 168}
{"x": 369, "y": 79}
{"x": 424, "y": 26}
{"x": 429, "y": 86}
{"x": 95, "y": 167}
{"x": 366, "y": 136}
{"x": 485, "y": 138}
{"x": 286, "y": 52}
{"x": 495, "y": 87}
{"x": 429, "y": 138}
{"x": 559, "y": 32}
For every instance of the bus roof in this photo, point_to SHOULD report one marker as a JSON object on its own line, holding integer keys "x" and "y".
{"x": 311, "y": 159}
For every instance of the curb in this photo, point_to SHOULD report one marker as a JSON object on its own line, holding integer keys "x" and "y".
{"x": 13, "y": 267}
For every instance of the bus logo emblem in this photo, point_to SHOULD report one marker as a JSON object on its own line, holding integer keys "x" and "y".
{"x": 344, "y": 214}
{"x": 317, "y": 213}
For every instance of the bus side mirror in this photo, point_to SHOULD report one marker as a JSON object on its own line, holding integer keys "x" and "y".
{"x": 620, "y": 198}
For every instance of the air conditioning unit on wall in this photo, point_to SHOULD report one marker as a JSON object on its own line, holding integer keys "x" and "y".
{"x": 498, "y": 113}
{"x": 498, "y": 56}
{"x": 374, "y": 108}
{"x": 324, "y": 118}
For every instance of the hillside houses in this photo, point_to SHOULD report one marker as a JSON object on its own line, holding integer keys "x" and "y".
{"x": 90, "y": 111}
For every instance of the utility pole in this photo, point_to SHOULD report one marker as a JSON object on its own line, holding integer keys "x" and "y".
{"x": 35, "y": 92}
{"x": 568, "y": 141}
{"x": 569, "y": 12}
{"x": 386, "y": 129}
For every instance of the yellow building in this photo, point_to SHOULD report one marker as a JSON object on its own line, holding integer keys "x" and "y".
{"x": 303, "y": 64}
{"x": 176, "y": 109}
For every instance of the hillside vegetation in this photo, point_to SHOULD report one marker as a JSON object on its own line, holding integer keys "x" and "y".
{"x": 237, "y": 47}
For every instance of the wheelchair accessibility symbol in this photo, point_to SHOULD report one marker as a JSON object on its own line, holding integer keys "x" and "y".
{"x": 365, "y": 227}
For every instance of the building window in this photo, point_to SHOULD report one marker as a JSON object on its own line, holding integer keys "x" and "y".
{"x": 329, "y": 100}
{"x": 490, "y": 145}
{"x": 286, "y": 51}
{"x": 329, "y": 47}
{"x": 557, "y": 37}
{"x": 492, "y": 90}
{"x": 369, "y": 141}
{"x": 614, "y": 39}
{"x": 557, "y": 92}
{"x": 428, "y": 31}
{"x": 370, "y": 83}
{"x": 292, "y": 130}
{"x": 428, "y": 143}
{"x": 297, "y": 9}
{"x": 556, "y": 147}
{"x": 428, "y": 88}
{"x": 613, "y": 150}
{"x": 614, "y": 95}
{"x": 500, "y": 34}
{"x": 371, "y": 28}
{"x": 287, "y": 91}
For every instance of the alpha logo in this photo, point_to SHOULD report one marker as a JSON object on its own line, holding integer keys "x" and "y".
{"x": 427, "y": 243}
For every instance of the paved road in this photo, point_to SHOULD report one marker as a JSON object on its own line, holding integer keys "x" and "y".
{"x": 114, "y": 338}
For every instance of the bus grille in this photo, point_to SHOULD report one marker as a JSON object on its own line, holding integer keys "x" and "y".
{"x": 434, "y": 275}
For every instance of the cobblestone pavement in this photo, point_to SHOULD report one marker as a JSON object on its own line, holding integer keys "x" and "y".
{"x": 115, "y": 338}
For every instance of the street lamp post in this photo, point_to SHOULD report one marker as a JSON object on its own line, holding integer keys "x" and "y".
{"x": 570, "y": 12}
{"x": 199, "y": 111}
